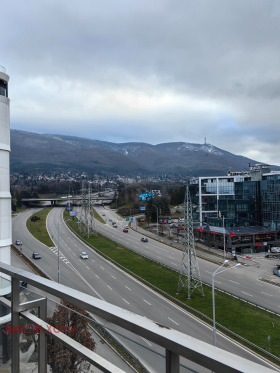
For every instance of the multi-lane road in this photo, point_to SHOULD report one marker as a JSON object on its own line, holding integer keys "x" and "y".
{"x": 101, "y": 279}
{"x": 244, "y": 282}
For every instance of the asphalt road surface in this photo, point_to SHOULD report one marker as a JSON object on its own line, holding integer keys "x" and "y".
{"x": 101, "y": 279}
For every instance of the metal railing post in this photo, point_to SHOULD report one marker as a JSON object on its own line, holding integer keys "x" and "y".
{"x": 42, "y": 361}
{"x": 15, "y": 326}
{"x": 172, "y": 362}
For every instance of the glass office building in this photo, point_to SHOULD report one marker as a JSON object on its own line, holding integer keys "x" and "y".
{"x": 224, "y": 205}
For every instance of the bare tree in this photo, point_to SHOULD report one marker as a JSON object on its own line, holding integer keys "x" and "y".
{"x": 74, "y": 322}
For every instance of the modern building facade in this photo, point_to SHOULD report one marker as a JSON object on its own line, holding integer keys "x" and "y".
{"x": 247, "y": 202}
{"x": 5, "y": 202}
{"x": 5, "y": 196}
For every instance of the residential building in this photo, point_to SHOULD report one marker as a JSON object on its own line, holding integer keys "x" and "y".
{"x": 5, "y": 200}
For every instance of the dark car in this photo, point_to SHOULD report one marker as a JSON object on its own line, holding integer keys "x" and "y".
{"x": 125, "y": 230}
{"x": 23, "y": 284}
{"x": 18, "y": 242}
{"x": 144, "y": 239}
{"x": 36, "y": 256}
{"x": 276, "y": 270}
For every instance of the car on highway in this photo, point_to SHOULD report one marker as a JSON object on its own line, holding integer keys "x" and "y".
{"x": 22, "y": 284}
{"x": 144, "y": 239}
{"x": 125, "y": 230}
{"x": 84, "y": 255}
{"x": 18, "y": 242}
{"x": 276, "y": 270}
{"x": 36, "y": 256}
{"x": 126, "y": 227}
{"x": 115, "y": 225}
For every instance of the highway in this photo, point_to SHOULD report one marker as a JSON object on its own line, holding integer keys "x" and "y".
{"x": 101, "y": 279}
{"x": 244, "y": 281}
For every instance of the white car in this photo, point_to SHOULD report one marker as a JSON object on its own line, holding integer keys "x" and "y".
{"x": 84, "y": 255}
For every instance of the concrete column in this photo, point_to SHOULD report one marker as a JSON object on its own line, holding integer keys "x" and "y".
{"x": 5, "y": 196}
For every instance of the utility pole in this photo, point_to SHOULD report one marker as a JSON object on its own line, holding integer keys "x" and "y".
{"x": 189, "y": 277}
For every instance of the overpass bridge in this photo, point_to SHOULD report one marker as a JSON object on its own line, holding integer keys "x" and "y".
{"x": 70, "y": 199}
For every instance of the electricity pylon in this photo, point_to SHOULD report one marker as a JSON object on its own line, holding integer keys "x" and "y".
{"x": 189, "y": 277}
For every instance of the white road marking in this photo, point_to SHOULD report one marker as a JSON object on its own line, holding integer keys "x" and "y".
{"x": 173, "y": 321}
{"x": 266, "y": 294}
{"x": 147, "y": 302}
{"x": 148, "y": 343}
{"x": 92, "y": 260}
{"x": 113, "y": 277}
{"x": 217, "y": 282}
{"x": 97, "y": 276}
{"x": 109, "y": 287}
{"x": 127, "y": 287}
{"x": 243, "y": 292}
{"x": 234, "y": 282}
{"x": 102, "y": 268}
{"x": 87, "y": 267}
{"x": 125, "y": 301}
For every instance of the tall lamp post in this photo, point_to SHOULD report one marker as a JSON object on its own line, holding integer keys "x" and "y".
{"x": 58, "y": 255}
{"x": 213, "y": 294}
{"x": 224, "y": 237}
{"x": 157, "y": 217}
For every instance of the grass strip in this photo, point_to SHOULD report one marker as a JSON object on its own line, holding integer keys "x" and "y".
{"x": 36, "y": 224}
{"x": 250, "y": 322}
{"x": 97, "y": 216}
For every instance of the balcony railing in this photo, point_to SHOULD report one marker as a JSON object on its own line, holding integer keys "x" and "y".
{"x": 175, "y": 343}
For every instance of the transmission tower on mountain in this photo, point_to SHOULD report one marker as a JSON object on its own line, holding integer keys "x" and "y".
{"x": 189, "y": 278}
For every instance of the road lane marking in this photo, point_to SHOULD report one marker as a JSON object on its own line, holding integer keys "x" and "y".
{"x": 266, "y": 294}
{"x": 147, "y": 302}
{"x": 125, "y": 301}
{"x": 234, "y": 282}
{"x": 109, "y": 287}
{"x": 102, "y": 268}
{"x": 173, "y": 321}
{"x": 97, "y": 276}
{"x": 128, "y": 288}
{"x": 243, "y": 292}
{"x": 92, "y": 260}
{"x": 148, "y": 343}
{"x": 113, "y": 277}
{"x": 87, "y": 267}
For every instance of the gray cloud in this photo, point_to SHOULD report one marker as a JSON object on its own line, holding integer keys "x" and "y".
{"x": 152, "y": 71}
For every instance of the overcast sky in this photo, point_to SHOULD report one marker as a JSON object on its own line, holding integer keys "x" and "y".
{"x": 150, "y": 71}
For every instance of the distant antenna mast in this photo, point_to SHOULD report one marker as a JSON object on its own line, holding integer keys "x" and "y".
{"x": 205, "y": 141}
{"x": 189, "y": 277}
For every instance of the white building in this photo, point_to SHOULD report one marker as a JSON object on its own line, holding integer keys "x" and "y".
{"x": 5, "y": 196}
{"x": 5, "y": 202}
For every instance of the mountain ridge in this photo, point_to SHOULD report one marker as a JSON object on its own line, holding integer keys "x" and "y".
{"x": 46, "y": 151}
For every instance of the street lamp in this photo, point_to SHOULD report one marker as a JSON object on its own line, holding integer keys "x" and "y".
{"x": 224, "y": 237}
{"x": 213, "y": 294}
{"x": 58, "y": 255}
{"x": 157, "y": 217}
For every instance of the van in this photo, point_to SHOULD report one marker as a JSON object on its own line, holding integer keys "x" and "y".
{"x": 275, "y": 249}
